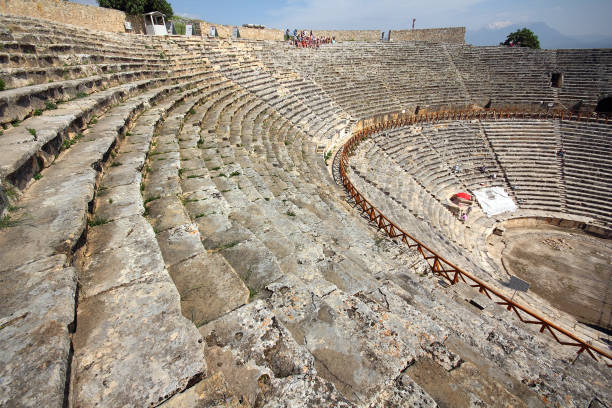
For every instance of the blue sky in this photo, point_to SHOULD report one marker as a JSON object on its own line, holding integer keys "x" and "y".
{"x": 569, "y": 17}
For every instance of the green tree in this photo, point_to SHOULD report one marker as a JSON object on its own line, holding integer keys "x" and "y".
{"x": 524, "y": 38}
{"x": 138, "y": 6}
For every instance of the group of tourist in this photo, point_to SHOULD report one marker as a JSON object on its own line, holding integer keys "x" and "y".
{"x": 302, "y": 39}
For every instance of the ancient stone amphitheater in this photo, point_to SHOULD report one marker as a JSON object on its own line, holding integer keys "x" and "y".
{"x": 185, "y": 225}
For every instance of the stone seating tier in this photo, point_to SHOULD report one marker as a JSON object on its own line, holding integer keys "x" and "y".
{"x": 218, "y": 264}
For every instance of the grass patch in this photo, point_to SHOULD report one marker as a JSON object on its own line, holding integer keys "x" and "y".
{"x": 50, "y": 105}
{"x": 327, "y": 156}
{"x": 252, "y": 293}
{"x": 142, "y": 186}
{"x": 225, "y": 191}
{"x": 180, "y": 172}
{"x": 37, "y": 112}
{"x": 290, "y": 213}
{"x": 2, "y": 85}
{"x": 6, "y": 222}
{"x": 38, "y": 176}
{"x": 193, "y": 176}
{"x": 216, "y": 168}
{"x": 15, "y": 122}
{"x": 230, "y": 245}
{"x": 110, "y": 200}
{"x": 81, "y": 95}
{"x": 267, "y": 198}
{"x": 234, "y": 173}
{"x": 116, "y": 164}
{"x": 188, "y": 200}
{"x": 221, "y": 175}
{"x": 191, "y": 111}
{"x": 149, "y": 199}
{"x": 32, "y": 131}
{"x": 67, "y": 143}
{"x": 97, "y": 221}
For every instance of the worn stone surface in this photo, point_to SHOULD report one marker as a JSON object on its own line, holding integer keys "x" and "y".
{"x": 132, "y": 347}
{"x": 179, "y": 243}
{"x": 404, "y": 393}
{"x": 303, "y": 391}
{"x": 209, "y": 287}
{"x": 37, "y": 310}
{"x": 120, "y": 253}
{"x": 166, "y": 212}
{"x": 121, "y": 201}
{"x": 212, "y": 392}
{"x": 357, "y": 361}
{"x": 248, "y": 344}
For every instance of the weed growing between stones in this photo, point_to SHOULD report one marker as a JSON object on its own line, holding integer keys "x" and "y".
{"x": 69, "y": 142}
{"x": 234, "y": 173}
{"x": 50, "y": 105}
{"x": 37, "y": 112}
{"x": 97, "y": 221}
{"x": 149, "y": 199}
{"x": 327, "y": 157}
{"x": 32, "y": 131}
{"x": 252, "y": 293}
{"x": 6, "y": 222}
{"x": 38, "y": 176}
{"x": 290, "y": 213}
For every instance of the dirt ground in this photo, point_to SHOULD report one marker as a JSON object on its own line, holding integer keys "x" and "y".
{"x": 570, "y": 269}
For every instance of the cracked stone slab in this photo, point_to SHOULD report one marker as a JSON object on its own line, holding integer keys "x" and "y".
{"x": 121, "y": 253}
{"x": 119, "y": 202}
{"x": 52, "y": 218}
{"x": 212, "y": 392}
{"x": 304, "y": 391}
{"x": 132, "y": 347}
{"x": 209, "y": 287}
{"x": 37, "y": 309}
{"x": 180, "y": 243}
{"x": 358, "y": 346}
{"x": 120, "y": 174}
{"x": 249, "y": 345}
{"x": 166, "y": 212}
{"x": 404, "y": 393}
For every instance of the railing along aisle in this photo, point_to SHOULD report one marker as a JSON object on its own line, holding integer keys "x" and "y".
{"x": 437, "y": 263}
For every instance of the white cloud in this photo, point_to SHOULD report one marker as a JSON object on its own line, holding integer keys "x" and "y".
{"x": 499, "y": 24}
{"x": 189, "y": 15}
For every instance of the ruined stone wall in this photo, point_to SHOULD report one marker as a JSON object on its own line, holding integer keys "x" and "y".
{"x": 225, "y": 31}
{"x": 445, "y": 35}
{"x": 91, "y": 17}
{"x": 454, "y": 35}
{"x": 349, "y": 35}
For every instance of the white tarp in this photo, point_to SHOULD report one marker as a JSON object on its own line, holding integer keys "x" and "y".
{"x": 494, "y": 200}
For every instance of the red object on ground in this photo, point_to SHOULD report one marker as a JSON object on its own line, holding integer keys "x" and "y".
{"x": 464, "y": 196}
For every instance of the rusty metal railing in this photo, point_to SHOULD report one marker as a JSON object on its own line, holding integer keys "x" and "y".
{"x": 440, "y": 266}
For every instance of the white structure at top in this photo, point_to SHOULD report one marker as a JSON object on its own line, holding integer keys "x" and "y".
{"x": 155, "y": 23}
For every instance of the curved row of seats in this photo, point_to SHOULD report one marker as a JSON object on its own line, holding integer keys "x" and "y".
{"x": 397, "y": 190}
{"x": 189, "y": 248}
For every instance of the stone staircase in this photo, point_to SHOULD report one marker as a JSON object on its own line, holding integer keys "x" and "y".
{"x": 176, "y": 240}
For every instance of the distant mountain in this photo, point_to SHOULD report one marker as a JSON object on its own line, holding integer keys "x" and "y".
{"x": 548, "y": 36}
